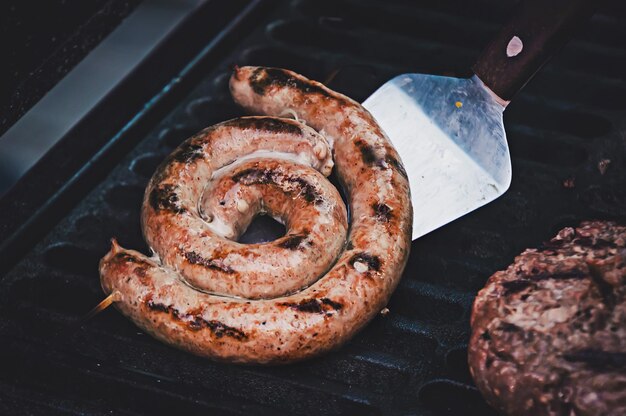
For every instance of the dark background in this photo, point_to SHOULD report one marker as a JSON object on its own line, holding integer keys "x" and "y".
{"x": 40, "y": 41}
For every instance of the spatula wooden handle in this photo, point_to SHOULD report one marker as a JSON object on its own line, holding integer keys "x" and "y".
{"x": 537, "y": 31}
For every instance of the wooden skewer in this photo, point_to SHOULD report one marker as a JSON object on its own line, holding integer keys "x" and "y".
{"x": 64, "y": 334}
{"x": 105, "y": 303}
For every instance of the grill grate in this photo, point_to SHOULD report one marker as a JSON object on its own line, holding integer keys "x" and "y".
{"x": 411, "y": 361}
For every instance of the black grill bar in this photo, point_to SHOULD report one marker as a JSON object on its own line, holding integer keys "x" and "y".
{"x": 115, "y": 125}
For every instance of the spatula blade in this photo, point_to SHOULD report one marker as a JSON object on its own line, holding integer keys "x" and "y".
{"x": 450, "y": 135}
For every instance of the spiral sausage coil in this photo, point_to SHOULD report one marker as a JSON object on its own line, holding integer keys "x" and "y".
{"x": 289, "y": 299}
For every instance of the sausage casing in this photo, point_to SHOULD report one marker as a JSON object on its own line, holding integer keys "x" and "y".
{"x": 321, "y": 316}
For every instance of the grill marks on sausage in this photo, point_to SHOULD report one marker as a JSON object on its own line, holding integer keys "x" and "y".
{"x": 160, "y": 307}
{"x": 373, "y": 262}
{"x": 218, "y": 328}
{"x": 292, "y": 242}
{"x": 267, "y": 124}
{"x": 313, "y": 305}
{"x": 260, "y": 176}
{"x": 309, "y": 192}
{"x": 395, "y": 163}
{"x": 187, "y": 152}
{"x": 382, "y": 212}
{"x": 191, "y": 150}
{"x": 369, "y": 157}
{"x": 124, "y": 257}
{"x": 135, "y": 265}
{"x": 264, "y": 78}
{"x": 195, "y": 322}
{"x": 164, "y": 197}
{"x": 162, "y": 171}
{"x": 306, "y": 305}
{"x": 335, "y": 305}
{"x": 368, "y": 153}
{"x": 195, "y": 258}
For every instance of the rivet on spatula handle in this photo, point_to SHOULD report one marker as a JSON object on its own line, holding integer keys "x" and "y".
{"x": 539, "y": 28}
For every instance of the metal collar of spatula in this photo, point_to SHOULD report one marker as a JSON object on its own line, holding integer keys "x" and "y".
{"x": 450, "y": 131}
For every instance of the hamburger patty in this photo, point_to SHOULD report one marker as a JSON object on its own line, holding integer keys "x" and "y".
{"x": 549, "y": 332}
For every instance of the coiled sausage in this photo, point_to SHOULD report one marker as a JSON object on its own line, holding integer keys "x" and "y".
{"x": 215, "y": 317}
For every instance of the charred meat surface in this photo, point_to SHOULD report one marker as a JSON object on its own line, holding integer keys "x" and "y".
{"x": 549, "y": 332}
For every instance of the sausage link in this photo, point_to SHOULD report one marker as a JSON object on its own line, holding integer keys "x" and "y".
{"x": 316, "y": 318}
{"x": 208, "y": 191}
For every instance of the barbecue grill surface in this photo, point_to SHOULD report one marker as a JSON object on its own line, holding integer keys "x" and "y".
{"x": 412, "y": 361}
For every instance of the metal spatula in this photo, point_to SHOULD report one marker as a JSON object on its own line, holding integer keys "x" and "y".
{"x": 450, "y": 131}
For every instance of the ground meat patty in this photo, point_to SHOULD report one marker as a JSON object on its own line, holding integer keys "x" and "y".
{"x": 549, "y": 332}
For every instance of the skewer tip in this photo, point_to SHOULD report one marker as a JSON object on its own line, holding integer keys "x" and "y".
{"x": 115, "y": 296}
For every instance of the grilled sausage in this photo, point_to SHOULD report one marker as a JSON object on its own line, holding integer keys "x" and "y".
{"x": 208, "y": 191}
{"x": 292, "y": 326}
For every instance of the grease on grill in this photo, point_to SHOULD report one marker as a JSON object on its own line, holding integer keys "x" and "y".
{"x": 196, "y": 322}
{"x": 264, "y": 78}
{"x": 194, "y": 258}
{"x": 165, "y": 198}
